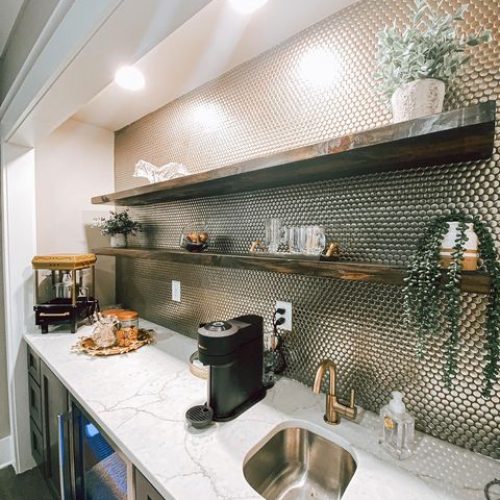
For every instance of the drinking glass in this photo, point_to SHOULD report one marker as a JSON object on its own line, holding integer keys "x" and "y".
{"x": 312, "y": 240}
{"x": 275, "y": 235}
{"x": 293, "y": 237}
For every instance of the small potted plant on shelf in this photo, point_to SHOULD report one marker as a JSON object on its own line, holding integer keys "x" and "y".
{"x": 417, "y": 63}
{"x": 119, "y": 225}
{"x": 432, "y": 290}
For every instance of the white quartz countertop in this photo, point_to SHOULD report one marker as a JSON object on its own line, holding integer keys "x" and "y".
{"x": 139, "y": 399}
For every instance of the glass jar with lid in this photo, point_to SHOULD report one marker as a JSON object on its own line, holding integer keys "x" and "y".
{"x": 126, "y": 317}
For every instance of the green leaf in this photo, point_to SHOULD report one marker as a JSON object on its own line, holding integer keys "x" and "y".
{"x": 431, "y": 47}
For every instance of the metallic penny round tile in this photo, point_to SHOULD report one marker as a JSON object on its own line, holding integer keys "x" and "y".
{"x": 268, "y": 105}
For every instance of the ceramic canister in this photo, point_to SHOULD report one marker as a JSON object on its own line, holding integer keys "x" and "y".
{"x": 471, "y": 249}
{"x": 419, "y": 98}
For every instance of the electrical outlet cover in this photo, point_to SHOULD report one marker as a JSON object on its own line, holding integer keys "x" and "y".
{"x": 176, "y": 290}
{"x": 287, "y": 306}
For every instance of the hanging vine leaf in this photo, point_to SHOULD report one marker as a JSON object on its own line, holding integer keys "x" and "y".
{"x": 433, "y": 304}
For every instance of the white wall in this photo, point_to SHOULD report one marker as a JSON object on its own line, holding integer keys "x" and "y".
{"x": 73, "y": 164}
{"x": 4, "y": 395}
{"x": 19, "y": 244}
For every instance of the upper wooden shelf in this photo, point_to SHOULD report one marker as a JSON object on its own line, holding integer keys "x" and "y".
{"x": 476, "y": 282}
{"x": 460, "y": 135}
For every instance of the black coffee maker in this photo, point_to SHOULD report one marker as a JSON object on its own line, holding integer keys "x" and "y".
{"x": 233, "y": 350}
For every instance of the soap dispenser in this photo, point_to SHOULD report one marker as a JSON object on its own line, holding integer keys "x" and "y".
{"x": 398, "y": 428}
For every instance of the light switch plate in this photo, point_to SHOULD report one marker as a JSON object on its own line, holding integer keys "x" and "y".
{"x": 176, "y": 290}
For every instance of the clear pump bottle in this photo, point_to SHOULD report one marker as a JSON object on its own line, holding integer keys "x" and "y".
{"x": 83, "y": 291}
{"x": 67, "y": 282}
{"x": 397, "y": 428}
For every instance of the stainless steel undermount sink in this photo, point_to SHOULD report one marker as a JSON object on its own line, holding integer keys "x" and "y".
{"x": 296, "y": 463}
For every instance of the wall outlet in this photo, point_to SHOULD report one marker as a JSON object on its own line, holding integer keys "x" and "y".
{"x": 287, "y": 306}
{"x": 176, "y": 290}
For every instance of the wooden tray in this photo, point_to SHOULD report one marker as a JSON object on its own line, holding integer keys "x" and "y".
{"x": 146, "y": 337}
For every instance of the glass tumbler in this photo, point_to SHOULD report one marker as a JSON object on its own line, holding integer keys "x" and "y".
{"x": 312, "y": 240}
{"x": 293, "y": 236}
{"x": 275, "y": 235}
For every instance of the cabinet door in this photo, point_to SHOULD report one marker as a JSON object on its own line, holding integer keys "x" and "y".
{"x": 33, "y": 365}
{"x": 35, "y": 401}
{"x": 54, "y": 404}
{"x": 36, "y": 444}
{"x": 143, "y": 488}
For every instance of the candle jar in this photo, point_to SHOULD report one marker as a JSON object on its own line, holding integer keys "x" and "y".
{"x": 126, "y": 317}
{"x": 470, "y": 257}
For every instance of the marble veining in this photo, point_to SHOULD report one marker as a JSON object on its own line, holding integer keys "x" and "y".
{"x": 139, "y": 400}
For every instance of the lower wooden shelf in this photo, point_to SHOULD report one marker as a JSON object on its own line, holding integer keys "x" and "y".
{"x": 476, "y": 282}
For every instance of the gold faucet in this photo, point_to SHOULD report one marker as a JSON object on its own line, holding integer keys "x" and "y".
{"x": 333, "y": 407}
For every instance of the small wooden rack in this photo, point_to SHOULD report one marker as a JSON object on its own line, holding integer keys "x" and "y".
{"x": 476, "y": 282}
{"x": 459, "y": 135}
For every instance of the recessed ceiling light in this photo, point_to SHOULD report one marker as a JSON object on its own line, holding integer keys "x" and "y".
{"x": 320, "y": 67}
{"x": 130, "y": 78}
{"x": 247, "y": 6}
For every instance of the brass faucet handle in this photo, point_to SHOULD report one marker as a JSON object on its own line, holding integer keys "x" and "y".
{"x": 352, "y": 402}
{"x": 351, "y": 411}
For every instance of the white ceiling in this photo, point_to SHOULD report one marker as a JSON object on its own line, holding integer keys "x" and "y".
{"x": 210, "y": 43}
{"x": 92, "y": 39}
{"x": 9, "y": 10}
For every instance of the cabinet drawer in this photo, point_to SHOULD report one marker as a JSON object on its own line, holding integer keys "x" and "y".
{"x": 144, "y": 490}
{"x": 36, "y": 443}
{"x": 34, "y": 365}
{"x": 35, "y": 401}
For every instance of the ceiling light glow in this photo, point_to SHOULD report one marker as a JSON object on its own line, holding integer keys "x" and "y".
{"x": 320, "y": 67}
{"x": 130, "y": 78}
{"x": 247, "y": 6}
{"x": 208, "y": 115}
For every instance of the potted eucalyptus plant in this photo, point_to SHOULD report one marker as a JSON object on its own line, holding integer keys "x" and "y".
{"x": 416, "y": 64}
{"x": 119, "y": 225}
{"x": 432, "y": 293}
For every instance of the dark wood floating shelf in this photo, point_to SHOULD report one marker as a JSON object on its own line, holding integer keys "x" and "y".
{"x": 460, "y": 135}
{"x": 351, "y": 271}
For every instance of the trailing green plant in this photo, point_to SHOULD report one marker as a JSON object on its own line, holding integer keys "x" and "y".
{"x": 117, "y": 223}
{"x": 432, "y": 294}
{"x": 430, "y": 47}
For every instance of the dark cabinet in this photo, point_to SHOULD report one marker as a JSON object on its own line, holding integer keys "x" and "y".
{"x": 48, "y": 403}
{"x": 35, "y": 406}
{"x": 34, "y": 366}
{"x": 36, "y": 440}
{"x": 77, "y": 459}
{"x": 35, "y": 402}
{"x": 54, "y": 411}
{"x": 144, "y": 489}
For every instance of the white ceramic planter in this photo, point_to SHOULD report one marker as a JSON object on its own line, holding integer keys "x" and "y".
{"x": 119, "y": 240}
{"x": 416, "y": 99}
{"x": 470, "y": 258}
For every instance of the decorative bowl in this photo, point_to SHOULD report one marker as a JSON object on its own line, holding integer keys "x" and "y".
{"x": 194, "y": 238}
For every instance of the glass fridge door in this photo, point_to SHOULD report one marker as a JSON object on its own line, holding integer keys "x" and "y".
{"x": 100, "y": 472}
